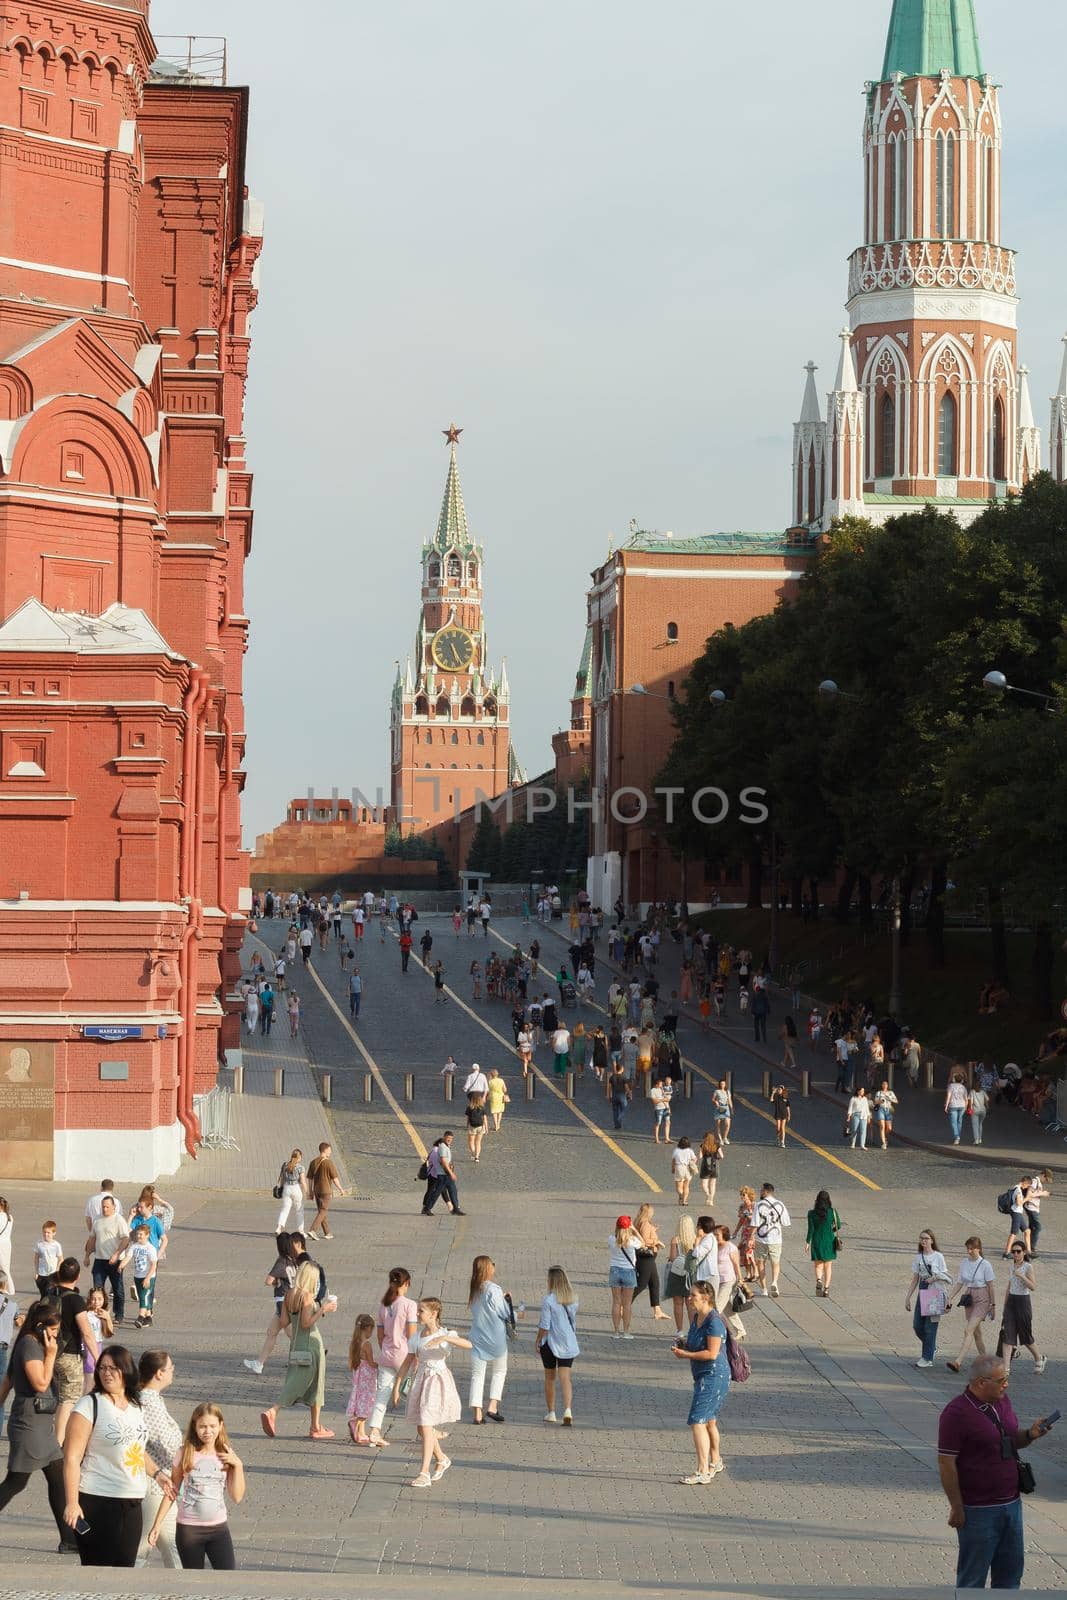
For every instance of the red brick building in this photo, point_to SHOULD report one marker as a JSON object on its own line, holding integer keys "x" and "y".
{"x": 449, "y": 723}
{"x": 652, "y": 607}
{"x": 128, "y": 245}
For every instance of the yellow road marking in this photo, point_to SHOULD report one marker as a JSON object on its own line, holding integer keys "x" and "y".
{"x": 695, "y": 1067}
{"x": 510, "y": 1048}
{"x": 376, "y": 1072}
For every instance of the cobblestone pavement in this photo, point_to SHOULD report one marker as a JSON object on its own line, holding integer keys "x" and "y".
{"x": 831, "y": 1480}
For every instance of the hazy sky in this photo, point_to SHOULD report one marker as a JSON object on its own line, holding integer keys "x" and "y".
{"x": 603, "y": 238}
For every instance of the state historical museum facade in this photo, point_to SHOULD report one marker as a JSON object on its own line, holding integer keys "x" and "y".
{"x": 127, "y": 252}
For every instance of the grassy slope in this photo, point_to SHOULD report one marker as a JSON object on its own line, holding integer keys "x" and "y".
{"x": 940, "y": 1005}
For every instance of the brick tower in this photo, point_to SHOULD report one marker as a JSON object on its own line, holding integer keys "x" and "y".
{"x": 127, "y": 249}
{"x": 930, "y": 403}
{"x": 449, "y": 731}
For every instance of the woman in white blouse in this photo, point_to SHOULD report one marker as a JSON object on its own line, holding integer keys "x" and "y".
{"x": 859, "y": 1116}
{"x": 931, "y": 1277}
{"x": 975, "y": 1288}
{"x": 155, "y": 1371}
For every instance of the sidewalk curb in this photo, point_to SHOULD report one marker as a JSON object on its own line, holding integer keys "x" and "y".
{"x": 1056, "y": 1164}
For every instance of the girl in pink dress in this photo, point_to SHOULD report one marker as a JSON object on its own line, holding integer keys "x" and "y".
{"x": 434, "y": 1400}
{"x": 364, "y": 1370}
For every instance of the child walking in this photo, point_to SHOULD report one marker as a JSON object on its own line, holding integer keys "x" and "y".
{"x": 144, "y": 1256}
{"x": 434, "y": 1400}
{"x": 47, "y": 1254}
{"x": 364, "y": 1370}
{"x": 205, "y": 1471}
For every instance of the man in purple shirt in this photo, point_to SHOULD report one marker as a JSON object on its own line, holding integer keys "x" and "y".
{"x": 978, "y": 1441}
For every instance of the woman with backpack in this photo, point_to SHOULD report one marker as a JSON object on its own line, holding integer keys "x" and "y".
{"x": 704, "y": 1347}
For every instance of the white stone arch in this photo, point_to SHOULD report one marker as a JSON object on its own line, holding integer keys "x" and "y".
{"x": 999, "y": 383}
{"x": 932, "y": 122}
{"x": 882, "y": 152}
{"x": 887, "y": 370}
{"x": 948, "y": 363}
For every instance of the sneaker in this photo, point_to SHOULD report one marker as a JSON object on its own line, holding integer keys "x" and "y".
{"x": 923, "y": 1363}
{"x": 763, "y": 1292}
{"x": 626, "y": 1336}
{"x": 312, "y": 1234}
{"x": 550, "y": 1416}
{"x": 568, "y": 1420}
{"x": 774, "y": 1291}
{"x": 441, "y": 1468}
{"x": 955, "y": 1141}
{"x": 254, "y": 1366}
{"x": 1041, "y": 1363}
{"x": 696, "y": 1478}
{"x": 327, "y": 1236}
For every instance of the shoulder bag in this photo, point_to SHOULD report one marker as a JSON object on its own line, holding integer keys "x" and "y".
{"x": 1008, "y": 1447}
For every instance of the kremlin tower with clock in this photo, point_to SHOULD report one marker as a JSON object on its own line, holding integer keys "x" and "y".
{"x": 450, "y": 738}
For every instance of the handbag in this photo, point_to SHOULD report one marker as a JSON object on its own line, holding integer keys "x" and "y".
{"x": 931, "y": 1301}
{"x": 1027, "y": 1481}
{"x": 301, "y": 1358}
{"x": 45, "y": 1404}
{"x": 739, "y": 1299}
{"x": 277, "y": 1191}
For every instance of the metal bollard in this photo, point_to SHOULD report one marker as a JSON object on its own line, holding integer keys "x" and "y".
{"x": 607, "y": 1086}
{"x": 730, "y": 1082}
{"x": 238, "y": 1080}
{"x": 805, "y": 1083}
{"x": 368, "y": 1088}
{"x": 646, "y": 1084}
{"x": 969, "y": 1073}
{"x": 568, "y": 1086}
{"x": 687, "y": 1086}
{"x": 531, "y": 1086}
{"x": 928, "y": 1074}
{"x": 450, "y": 1085}
{"x": 409, "y": 1087}
{"x": 279, "y": 1082}
{"x": 890, "y": 1072}
{"x": 766, "y": 1084}
{"x": 327, "y": 1088}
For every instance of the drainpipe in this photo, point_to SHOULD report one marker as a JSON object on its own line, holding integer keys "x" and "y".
{"x": 195, "y": 698}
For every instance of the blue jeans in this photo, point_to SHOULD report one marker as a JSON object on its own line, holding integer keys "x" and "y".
{"x": 354, "y": 1002}
{"x": 926, "y": 1330}
{"x": 858, "y": 1129}
{"x": 955, "y": 1120}
{"x": 618, "y": 1112}
{"x": 991, "y": 1546}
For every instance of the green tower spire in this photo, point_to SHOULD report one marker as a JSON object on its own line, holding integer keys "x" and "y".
{"x": 928, "y": 35}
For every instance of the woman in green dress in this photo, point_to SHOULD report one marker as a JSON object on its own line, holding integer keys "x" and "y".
{"x": 579, "y": 1048}
{"x": 822, "y": 1244}
{"x": 305, "y": 1378}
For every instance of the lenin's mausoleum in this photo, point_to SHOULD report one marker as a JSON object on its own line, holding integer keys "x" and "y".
{"x": 128, "y": 246}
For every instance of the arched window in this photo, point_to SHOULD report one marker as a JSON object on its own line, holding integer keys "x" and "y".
{"x": 670, "y": 689}
{"x": 455, "y": 569}
{"x": 945, "y": 186}
{"x": 481, "y": 738}
{"x": 467, "y": 709}
{"x": 998, "y": 441}
{"x": 892, "y": 188}
{"x": 672, "y": 632}
{"x": 490, "y": 707}
{"x": 434, "y": 572}
{"x": 887, "y": 453}
{"x": 947, "y": 436}
{"x": 442, "y": 706}
{"x": 990, "y": 214}
{"x": 455, "y": 738}
{"x": 472, "y": 572}
{"x": 422, "y": 706}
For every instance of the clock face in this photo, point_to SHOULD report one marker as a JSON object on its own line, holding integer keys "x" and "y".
{"x": 453, "y": 648}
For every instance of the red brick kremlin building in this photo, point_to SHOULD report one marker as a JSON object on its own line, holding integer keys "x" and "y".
{"x": 450, "y": 733}
{"x": 128, "y": 246}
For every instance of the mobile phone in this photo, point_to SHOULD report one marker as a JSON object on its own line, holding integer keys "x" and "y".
{"x": 1053, "y": 1416}
{"x": 81, "y": 1526}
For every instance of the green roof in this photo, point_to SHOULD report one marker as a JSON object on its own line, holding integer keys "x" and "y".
{"x": 928, "y": 35}
{"x": 714, "y": 544}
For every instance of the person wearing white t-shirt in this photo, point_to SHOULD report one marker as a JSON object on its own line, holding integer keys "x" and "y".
{"x": 769, "y": 1217}
{"x": 95, "y": 1204}
{"x": 684, "y": 1167}
{"x": 477, "y": 1082}
{"x": 106, "y": 1467}
{"x": 705, "y": 1254}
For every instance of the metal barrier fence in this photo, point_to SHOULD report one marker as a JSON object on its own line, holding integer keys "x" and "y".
{"x": 213, "y": 1112}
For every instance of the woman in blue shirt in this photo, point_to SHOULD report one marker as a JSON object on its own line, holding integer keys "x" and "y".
{"x": 491, "y": 1316}
{"x": 704, "y": 1347}
{"x": 557, "y": 1342}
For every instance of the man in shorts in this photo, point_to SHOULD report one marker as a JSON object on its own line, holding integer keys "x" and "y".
{"x": 769, "y": 1217}
{"x": 323, "y": 1178}
{"x": 75, "y": 1330}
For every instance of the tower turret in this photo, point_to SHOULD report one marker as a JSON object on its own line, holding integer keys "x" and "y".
{"x": 809, "y": 455}
{"x": 1058, "y": 429}
{"x": 932, "y": 304}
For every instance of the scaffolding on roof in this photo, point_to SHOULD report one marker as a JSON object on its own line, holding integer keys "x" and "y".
{"x": 190, "y": 58}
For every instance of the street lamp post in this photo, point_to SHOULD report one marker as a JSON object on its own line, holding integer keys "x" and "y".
{"x": 997, "y": 683}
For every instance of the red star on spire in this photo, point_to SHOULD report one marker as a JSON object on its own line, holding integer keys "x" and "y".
{"x": 452, "y": 434}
